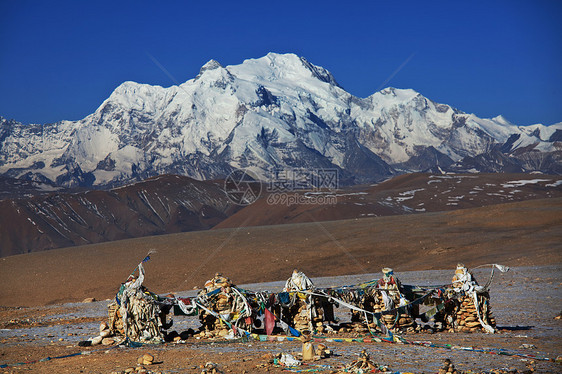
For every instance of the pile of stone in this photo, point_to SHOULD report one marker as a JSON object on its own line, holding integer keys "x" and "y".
{"x": 144, "y": 360}
{"x": 221, "y": 303}
{"x": 389, "y": 320}
{"x": 223, "y": 306}
{"x": 389, "y": 287}
{"x": 323, "y": 351}
{"x": 104, "y": 338}
{"x": 473, "y": 311}
{"x": 210, "y": 368}
{"x": 308, "y": 312}
{"x": 300, "y": 316}
{"x": 406, "y": 322}
{"x": 448, "y": 368}
{"x": 530, "y": 369}
{"x": 364, "y": 364}
{"x": 322, "y": 313}
{"x": 143, "y": 323}
{"x": 136, "y": 370}
{"x": 309, "y": 353}
{"x": 115, "y": 319}
{"x": 139, "y": 316}
{"x": 466, "y": 317}
{"x": 395, "y": 321}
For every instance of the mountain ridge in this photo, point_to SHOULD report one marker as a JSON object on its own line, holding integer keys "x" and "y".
{"x": 158, "y": 205}
{"x": 277, "y": 111}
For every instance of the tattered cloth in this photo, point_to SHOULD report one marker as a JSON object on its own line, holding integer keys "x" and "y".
{"x": 140, "y": 312}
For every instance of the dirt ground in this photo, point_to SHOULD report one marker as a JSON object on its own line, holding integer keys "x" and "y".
{"x": 525, "y": 301}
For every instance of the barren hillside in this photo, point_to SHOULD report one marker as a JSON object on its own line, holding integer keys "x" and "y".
{"x": 522, "y": 233}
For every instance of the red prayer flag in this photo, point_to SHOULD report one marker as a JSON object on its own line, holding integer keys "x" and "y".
{"x": 269, "y": 322}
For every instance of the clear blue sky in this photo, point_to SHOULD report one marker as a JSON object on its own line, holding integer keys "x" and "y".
{"x": 61, "y": 59}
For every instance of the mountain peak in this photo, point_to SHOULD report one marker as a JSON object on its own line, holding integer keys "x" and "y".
{"x": 273, "y": 61}
{"x": 501, "y": 119}
{"x": 275, "y": 66}
{"x": 210, "y": 65}
{"x": 134, "y": 88}
{"x": 275, "y": 55}
{"x": 395, "y": 94}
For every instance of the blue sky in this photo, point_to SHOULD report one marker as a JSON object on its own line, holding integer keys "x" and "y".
{"x": 61, "y": 59}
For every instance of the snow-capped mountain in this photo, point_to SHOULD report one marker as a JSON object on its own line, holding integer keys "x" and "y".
{"x": 275, "y": 112}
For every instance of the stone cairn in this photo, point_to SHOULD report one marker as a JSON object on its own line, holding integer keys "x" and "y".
{"x": 391, "y": 286}
{"x": 305, "y": 314}
{"x": 300, "y": 315}
{"x": 472, "y": 301}
{"x": 221, "y": 303}
{"x": 373, "y": 301}
{"x": 466, "y": 316}
{"x": 364, "y": 364}
{"x": 115, "y": 319}
{"x": 395, "y": 321}
{"x": 448, "y": 368}
{"x": 105, "y": 337}
{"x": 143, "y": 322}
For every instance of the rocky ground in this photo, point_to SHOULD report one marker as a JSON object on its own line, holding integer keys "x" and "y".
{"x": 525, "y": 302}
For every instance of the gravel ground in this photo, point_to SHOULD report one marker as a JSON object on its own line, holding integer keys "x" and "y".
{"x": 525, "y": 301}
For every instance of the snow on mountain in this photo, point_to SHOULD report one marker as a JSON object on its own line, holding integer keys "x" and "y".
{"x": 278, "y": 111}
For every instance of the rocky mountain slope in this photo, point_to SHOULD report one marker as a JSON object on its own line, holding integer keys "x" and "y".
{"x": 275, "y": 112}
{"x": 171, "y": 204}
{"x": 159, "y": 205}
{"x": 404, "y": 194}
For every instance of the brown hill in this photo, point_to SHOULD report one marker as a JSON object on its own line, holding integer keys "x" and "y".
{"x": 169, "y": 204}
{"x": 521, "y": 233}
{"x": 405, "y": 194}
{"x": 159, "y": 205}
